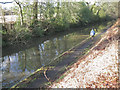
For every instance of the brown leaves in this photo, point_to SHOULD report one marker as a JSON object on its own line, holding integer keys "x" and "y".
{"x": 97, "y": 70}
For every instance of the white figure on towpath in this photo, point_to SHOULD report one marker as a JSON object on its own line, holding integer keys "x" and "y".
{"x": 92, "y": 33}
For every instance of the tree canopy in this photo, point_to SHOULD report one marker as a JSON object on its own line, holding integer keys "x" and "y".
{"x": 40, "y": 18}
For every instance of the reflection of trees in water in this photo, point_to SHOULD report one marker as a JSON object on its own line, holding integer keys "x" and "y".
{"x": 3, "y": 59}
{"x": 52, "y": 49}
{"x": 41, "y": 50}
{"x": 22, "y": 60}
{"x": 58, "y": 45}
{"x": 65, "y": 42}
{"x": 8, "y": 65}
{"x": 47, "y": 51}
{"x": 5, "y": 67}
{"x": 32, "y": 59}
{"x": 36, "y": 58}
{"x": 29, "y": 59}
{"x": 24, "y": 64}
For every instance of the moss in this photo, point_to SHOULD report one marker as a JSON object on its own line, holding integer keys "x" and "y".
{"x": 61, "y": 77}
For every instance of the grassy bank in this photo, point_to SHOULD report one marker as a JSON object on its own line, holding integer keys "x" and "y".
{"x": 23, "y": 35}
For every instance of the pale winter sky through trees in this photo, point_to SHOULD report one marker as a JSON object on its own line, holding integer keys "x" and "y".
{"x": 8, "y": 5}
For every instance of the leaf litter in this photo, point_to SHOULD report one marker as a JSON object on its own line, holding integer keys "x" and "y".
{"x": 97, "y": 69}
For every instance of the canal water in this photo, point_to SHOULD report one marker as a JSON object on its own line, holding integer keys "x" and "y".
{"x": 19, "y": 65}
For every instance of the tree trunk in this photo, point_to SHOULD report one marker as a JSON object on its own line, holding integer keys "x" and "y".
{"x": 92, "y": 7}
{"x": 3, "y": 17}
{"x": 35, "y": 11}
{"x": 20, "y": 9}
{"x": 98, "y": 11}
{"x": 21, "y": 14}
{"x": 58, "y": 6}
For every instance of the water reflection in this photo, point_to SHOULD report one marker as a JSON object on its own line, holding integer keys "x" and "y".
{"x": 19, "y": 65}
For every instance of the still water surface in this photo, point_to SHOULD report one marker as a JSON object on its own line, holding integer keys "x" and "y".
{"x": 17, "y": 66}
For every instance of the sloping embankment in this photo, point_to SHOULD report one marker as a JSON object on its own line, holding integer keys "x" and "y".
{"x": 45, "y": 76}
{"x": 97, "y": 69}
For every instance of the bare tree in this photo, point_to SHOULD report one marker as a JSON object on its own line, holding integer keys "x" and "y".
{"x": 20, "y": 9}
{"x": 35, "y": 11}
{"x": 2, "y": 13}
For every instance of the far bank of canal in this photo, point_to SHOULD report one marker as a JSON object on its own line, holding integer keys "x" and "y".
{"x": 19, "y": 65}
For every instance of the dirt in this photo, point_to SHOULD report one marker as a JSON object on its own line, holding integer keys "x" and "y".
{"x": 97, "y": 69}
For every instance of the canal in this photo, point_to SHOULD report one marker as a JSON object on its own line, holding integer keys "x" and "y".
{"x": 20, "y": 64}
